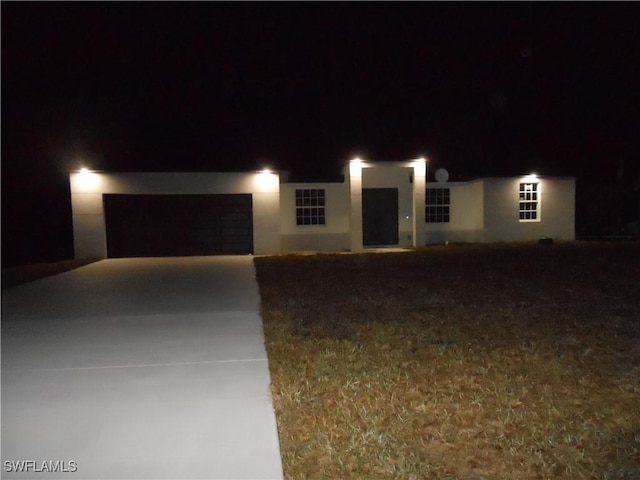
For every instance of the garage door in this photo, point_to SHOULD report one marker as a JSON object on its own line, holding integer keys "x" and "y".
{"x": 178, "y": 225}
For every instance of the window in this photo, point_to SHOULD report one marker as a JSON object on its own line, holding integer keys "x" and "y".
{"x": 310, "y": 206}
{"x": 438, "y": 201}
{"x": 529, "y": 202}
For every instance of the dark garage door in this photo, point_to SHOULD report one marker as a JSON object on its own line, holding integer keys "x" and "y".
{"x": 178, "y": 225}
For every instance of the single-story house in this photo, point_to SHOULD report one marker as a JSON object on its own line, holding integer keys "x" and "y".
{"x": 378, "y": 204}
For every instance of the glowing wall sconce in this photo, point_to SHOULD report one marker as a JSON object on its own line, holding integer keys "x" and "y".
{"x": 420, "y": 167}
{"x": 355, "y": 167}
{"x": 87, "y": 179}
{"x": 267, "y": 179}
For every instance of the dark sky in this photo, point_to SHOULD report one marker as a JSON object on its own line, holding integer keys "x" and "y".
{"x": 481, "y": 89}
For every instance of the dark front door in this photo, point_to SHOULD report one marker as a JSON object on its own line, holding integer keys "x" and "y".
{"x": 178, "y": 225}
{"x": 379, "y": 216}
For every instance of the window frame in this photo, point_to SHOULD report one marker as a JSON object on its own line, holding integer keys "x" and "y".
{"x": 529, "y": 202}
{"x": 438, "y": 211}
{"x": 310, "y": 206}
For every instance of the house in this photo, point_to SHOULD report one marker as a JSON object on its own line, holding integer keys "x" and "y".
{"x": 378, "y": 204}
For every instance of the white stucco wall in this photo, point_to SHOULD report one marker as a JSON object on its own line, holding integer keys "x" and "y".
{"x": 419, "y": 186}
{"x": 174, "y": 183}
{"x": 556, "y": 212}
{"x": 331, "y": 237}
{"x": 465, "y": 212}
{"x": 558, "y": 203}
{"x": 353, "y": 177}
{"x": 87, "y": 190}
{"x": 89, "y": 234}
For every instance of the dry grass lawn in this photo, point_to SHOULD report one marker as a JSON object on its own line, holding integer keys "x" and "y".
{"x": 458, "y": 362}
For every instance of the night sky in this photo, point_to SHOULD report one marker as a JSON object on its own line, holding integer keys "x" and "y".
{"x": 480, "y": 89}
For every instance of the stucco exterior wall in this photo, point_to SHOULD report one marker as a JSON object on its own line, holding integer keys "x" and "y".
{"x": 331, "y": 237}
{"x": 559, "y": 201}
{"x": 353, "y": 177}
{"x": 88, "y": 188}
{"x": 556, "y": 212}
{"x": 174, "y": 183}
{"x": 465, "y": 212}
{"x": 419, "y": 186}
{"x": 266, "y": 219}
{"x": 90, "y": 239}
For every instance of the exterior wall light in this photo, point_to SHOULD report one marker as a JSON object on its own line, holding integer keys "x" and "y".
{"x": 355, "y": 167}
{"x": 267, "y": 180}
{"x": 87, "y": 179}
{"x": 420, "y": 167}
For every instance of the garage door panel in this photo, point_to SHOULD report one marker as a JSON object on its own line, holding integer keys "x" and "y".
{"x": 178, "y": 225}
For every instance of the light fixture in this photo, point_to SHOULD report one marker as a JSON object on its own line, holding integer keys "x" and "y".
{"x": 420, "y": 167}
{"x": 267, "y": 179}
{"x": 355, "y": 167}
{"x": 88, "y": 179}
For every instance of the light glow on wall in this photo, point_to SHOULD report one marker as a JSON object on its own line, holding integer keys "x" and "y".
{"x": 355, "y": 167}
{"x": 267, "y": 180}
{"x": 87, "y": 179}
{"x": 420, "y": 167}
{"x": 532, "y": 177}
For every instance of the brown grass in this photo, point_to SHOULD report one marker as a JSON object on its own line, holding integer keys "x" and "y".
{"x": 465, "y": 362}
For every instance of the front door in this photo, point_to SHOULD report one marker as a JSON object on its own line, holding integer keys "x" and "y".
{"x": 379, "y": 216}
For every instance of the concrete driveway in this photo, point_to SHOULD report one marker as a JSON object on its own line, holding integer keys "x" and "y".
{"x": 138, "y": 368}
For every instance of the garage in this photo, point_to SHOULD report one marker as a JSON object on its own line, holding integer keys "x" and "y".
{"x": 157, "y": 225}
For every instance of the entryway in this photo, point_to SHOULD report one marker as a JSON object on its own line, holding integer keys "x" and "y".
{"x": 379, "y": 216}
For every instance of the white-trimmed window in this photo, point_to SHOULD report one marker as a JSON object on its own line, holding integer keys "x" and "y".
{"x": 438, "y": 203}
{"x": 310, "y": 206}
{"x": 529, "y": 208}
